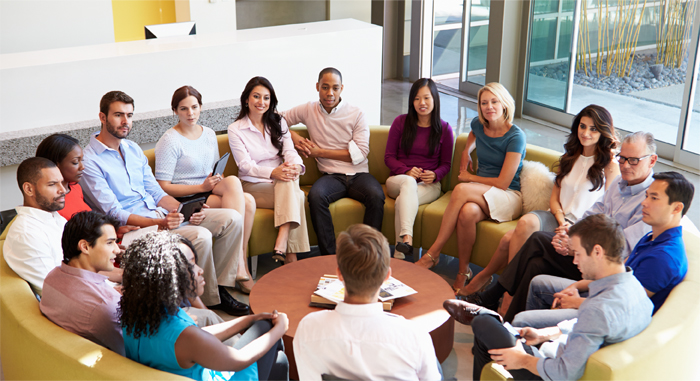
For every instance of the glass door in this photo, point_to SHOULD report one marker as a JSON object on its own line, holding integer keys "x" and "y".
{"x": 447, "y": 41}
{"x": 636, "y": 58}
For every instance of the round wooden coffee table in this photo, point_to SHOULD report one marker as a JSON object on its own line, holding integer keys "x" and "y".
{"x": 288, "y": 289}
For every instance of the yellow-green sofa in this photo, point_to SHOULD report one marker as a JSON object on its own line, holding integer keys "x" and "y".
{"x": 347, "y": 211}
{"x": 666, "y": 350}
{"x": 34, "y": 348}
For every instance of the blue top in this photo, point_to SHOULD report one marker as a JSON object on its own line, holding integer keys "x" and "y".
{"x": 119, "y": 187}
{"x": 660, "y": 264}
{"x": 158, "y": 351}
{"x": 623, "y": 202}
{"x": 617, "y": 308}
{"x": 491, "y": 152}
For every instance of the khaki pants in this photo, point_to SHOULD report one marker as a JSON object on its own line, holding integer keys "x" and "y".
{"x": 409, "y": 194}
{"x": 287, "y": 201}
{"x": 220, "y": 259}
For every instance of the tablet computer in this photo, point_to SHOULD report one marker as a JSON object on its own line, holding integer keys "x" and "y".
{"x": 221, "y": 165}
{"x": 188, "y": 208}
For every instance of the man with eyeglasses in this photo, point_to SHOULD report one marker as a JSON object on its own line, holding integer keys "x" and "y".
{"x": 548, "y": 253}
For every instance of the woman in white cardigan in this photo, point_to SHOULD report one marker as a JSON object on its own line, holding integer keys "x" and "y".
{"x": 185, "y": 158}
{"x": 269, "y": 166}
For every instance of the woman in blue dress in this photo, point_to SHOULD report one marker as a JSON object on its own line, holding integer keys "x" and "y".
{"x": 157, "y": 280}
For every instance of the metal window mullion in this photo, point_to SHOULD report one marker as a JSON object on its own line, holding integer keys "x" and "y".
{"x": 689, "y": 91}
{"x": 572, "y": 59}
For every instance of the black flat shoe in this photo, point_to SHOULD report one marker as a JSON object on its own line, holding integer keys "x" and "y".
{"x": 475, "y": 298}
{"x": 230, "y": 305}
{"x": 404, "y": 249}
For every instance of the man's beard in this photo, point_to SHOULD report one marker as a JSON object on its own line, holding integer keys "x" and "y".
{"x": 114, "y": 131}
{"x": 50, "y": 206}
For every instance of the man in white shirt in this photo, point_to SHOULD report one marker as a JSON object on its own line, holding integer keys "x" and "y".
{"x": 340, "y": 143}
{"x": 33, "y": 244}
{"x": 358, "y": 340}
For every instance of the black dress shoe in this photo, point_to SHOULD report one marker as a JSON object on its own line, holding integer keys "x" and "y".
{"x": 230, "y": 305}
{"x": 475, "y": 298}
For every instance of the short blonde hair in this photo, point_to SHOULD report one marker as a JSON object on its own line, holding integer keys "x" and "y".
{"x": 503, "y": 96}
{"x": 363, "y": 259}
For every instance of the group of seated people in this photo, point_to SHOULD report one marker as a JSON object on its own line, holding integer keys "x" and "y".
{"x": 608, "y": 212}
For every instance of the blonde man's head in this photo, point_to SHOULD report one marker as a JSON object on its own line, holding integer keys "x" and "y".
{"x": 503, "y": 96}
{"x": 363, "y": 259}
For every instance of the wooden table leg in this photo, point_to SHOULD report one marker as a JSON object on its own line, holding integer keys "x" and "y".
{"x": 443, "y": 339}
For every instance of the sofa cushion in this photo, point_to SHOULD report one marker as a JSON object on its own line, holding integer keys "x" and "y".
{"x": 536, "y": 182}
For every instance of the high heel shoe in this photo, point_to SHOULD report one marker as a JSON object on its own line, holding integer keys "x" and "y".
{"x": 244, "y": 289}
{"x": 461, "y": 296}
{"x": 468, "y": 277}
{"x": 433, "y": 259}
{"x": 279, "y": 256}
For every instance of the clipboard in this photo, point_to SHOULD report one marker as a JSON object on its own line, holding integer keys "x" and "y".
{"x": 221, "y": 165}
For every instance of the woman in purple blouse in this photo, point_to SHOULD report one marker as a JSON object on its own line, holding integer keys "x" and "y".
{"x": 418, "y": 153}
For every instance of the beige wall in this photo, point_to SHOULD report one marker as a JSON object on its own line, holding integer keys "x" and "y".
{"x": 256, "y": 13}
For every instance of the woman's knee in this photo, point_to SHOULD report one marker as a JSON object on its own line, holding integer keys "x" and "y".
{"x": 470, "y": 213}
{"x": 527, "y": 224}
{"x": 250, "y": 204}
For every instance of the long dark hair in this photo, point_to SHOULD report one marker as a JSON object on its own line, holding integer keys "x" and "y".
{"x": 56, "y": 147}
{"x": 271, "y": 119}
{"x": 411, "y": 123}
{"x": 603, "y": 150}
{"x": 157, "y": 279}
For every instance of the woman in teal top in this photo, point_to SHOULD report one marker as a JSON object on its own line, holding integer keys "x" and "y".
{"x": 157, "y": 279}
{"x": 494, "y": 192}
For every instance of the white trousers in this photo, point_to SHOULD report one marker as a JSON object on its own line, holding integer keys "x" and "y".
{"x": 409, "y": 194}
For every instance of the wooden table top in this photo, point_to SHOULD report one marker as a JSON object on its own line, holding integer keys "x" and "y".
{"x": 288, "y": 289}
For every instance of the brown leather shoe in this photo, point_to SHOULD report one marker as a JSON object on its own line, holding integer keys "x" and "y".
{"x": 465, "y": 312}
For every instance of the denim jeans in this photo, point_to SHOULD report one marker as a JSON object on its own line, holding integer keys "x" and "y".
{"x": 539, "y": 303}
{"x": 362, "y": 187}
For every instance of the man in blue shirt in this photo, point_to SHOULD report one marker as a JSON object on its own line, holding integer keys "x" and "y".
{"x": 547, "y": 252}
{"x": 617, "y": 309}
{"x": 118, "y": 181}
{"x": 658, "y": 260}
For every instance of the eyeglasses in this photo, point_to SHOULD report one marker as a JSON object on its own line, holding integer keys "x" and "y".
{"x": 632, "y": 160}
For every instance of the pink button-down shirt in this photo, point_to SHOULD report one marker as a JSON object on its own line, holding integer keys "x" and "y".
{"x": 254, "y": 153}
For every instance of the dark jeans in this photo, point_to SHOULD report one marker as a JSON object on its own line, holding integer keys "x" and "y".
{"x": 362, "y": 187}
{"x": 274, "y": 364}
{"x": 489, "y": 333}
{"x": 536, "y": 257}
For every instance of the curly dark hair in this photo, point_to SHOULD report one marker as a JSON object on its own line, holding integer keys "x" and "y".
{"x": 603, "y": 151}
{"x": 157, "y": 279}
{"x": 271, "y": 119}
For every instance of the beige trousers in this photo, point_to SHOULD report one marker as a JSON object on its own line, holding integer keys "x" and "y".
{"x": 409, "y": 194}
{"x": 220, "y": 259}
{"x": 287, "y": 200}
